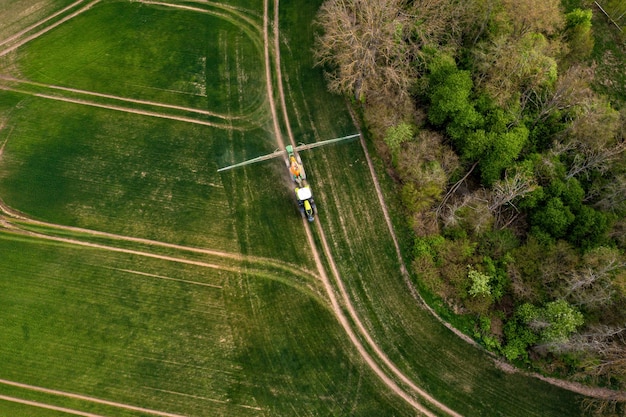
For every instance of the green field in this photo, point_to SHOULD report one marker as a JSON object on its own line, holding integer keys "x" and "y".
{"x": 132, "y": 272}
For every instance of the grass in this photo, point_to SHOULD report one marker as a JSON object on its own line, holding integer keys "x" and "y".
{"x": 143, "y": 331}
{"x": 138, "y": 339}
{"x": 150, "y": 56}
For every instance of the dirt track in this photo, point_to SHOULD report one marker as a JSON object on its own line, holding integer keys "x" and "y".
{"x": 369, "y": 360}
{"x": 48, "y": 28}
{"x": 78, "y": 397}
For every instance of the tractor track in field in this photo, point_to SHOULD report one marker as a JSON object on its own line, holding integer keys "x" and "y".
{"x": 76, "y": 397}
{"x": 336, "y": 307}
{"x": 47, "y": 406}
{"x": 123, "y": 109}
{"x": 41, "y": 22}
{"x": 47, "y": 28}
{"x": 20, "y": 218}
{"x": 123, "y": 99}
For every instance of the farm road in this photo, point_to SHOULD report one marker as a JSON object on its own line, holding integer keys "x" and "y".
{"x": 336, "y": 307}
{"x": 371, "y": 362}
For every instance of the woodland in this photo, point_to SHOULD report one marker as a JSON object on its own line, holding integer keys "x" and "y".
{"x": 502, "y": 124}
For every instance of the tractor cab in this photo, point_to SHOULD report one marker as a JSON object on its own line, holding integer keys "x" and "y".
{"x": 306, "y": 202}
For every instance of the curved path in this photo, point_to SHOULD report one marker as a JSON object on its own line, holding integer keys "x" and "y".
{"x": 336, "y": 307}
{"x": 48, "y": 28}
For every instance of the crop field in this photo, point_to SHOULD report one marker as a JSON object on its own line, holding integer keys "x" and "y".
{"x": 136, "y": 280}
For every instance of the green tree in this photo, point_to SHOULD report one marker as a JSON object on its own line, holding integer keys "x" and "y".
{"x": 552, "y": 323}
{"x": 578, "y": 34}
{"x": 450, "y": 90}
{"x": 562, "y": 320}
{"x": 480, "y": 282}
{"x": 554, "y": 218}
{"x": 397, "y": 135}
{"x": 590, "y": 228}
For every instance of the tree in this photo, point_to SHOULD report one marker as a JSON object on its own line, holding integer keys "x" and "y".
{"x": 578, "y": 34}
{"x": 480, "y": 282}
{"x": 370, "y": 47}
{"x": 540, "y": 16}
{"x": 398, "y": 134}
{"x": 449, "y": 93}
{"x": 570, "y": 90}
{"x": 554, "y": 322}
{"x": 506, "y": 191}
{"x": 364, "y": 45}
{"x": 511, "y": 70}
{"x": 554, "y": 218}
{"x": 504, "y": 147}
{"x": 591, "y": 285}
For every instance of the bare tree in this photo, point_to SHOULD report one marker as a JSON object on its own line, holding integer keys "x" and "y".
{"x": 506, "y": 191}
{"x": 370, "y": 47}
{"x": 599, "y": 159}
{"x": 540, "y": 16}
{"x": 571, "y": 89}
{"x": 613, "y": 195}
{"x": 592, "y": 284}
{"x": 364, "y": 44}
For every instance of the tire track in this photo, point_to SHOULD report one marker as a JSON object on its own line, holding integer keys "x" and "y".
{"x": 49, "y": 28}
{"x": 41, "y": 22}
{"x": 47, "y": 406}
{"x": 123, "y": 99}
{"x": 7, "y": 211}
{"x": 78, "y": 397}
{"x": 371, "y": 362}
{"x": 123, "y": 109}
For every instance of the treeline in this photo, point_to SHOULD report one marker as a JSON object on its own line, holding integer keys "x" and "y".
{"x": 510, "y": 165}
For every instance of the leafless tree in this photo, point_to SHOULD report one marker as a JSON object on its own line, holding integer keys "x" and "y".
{"x": 364, "y": 43}
{"x": 571, "y": 89}
{"x": 613, "y": 195}
{"x": 371, "y": 48}
{"x": 505, "y": 192}
{"x": 591, "y": 285}
{"x": 599, "y": 159}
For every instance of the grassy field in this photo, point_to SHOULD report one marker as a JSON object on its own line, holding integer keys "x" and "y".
{"x": 141, "y": 276}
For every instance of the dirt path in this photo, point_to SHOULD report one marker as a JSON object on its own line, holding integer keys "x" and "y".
{"x": 48, "y": 28}
{"x": 268, "y": 76}
{"x": 48, "y": 406}
{"x": 336, "y": 307}
{"x": 41, "y": 22}
{"x": 77, "y": 397}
